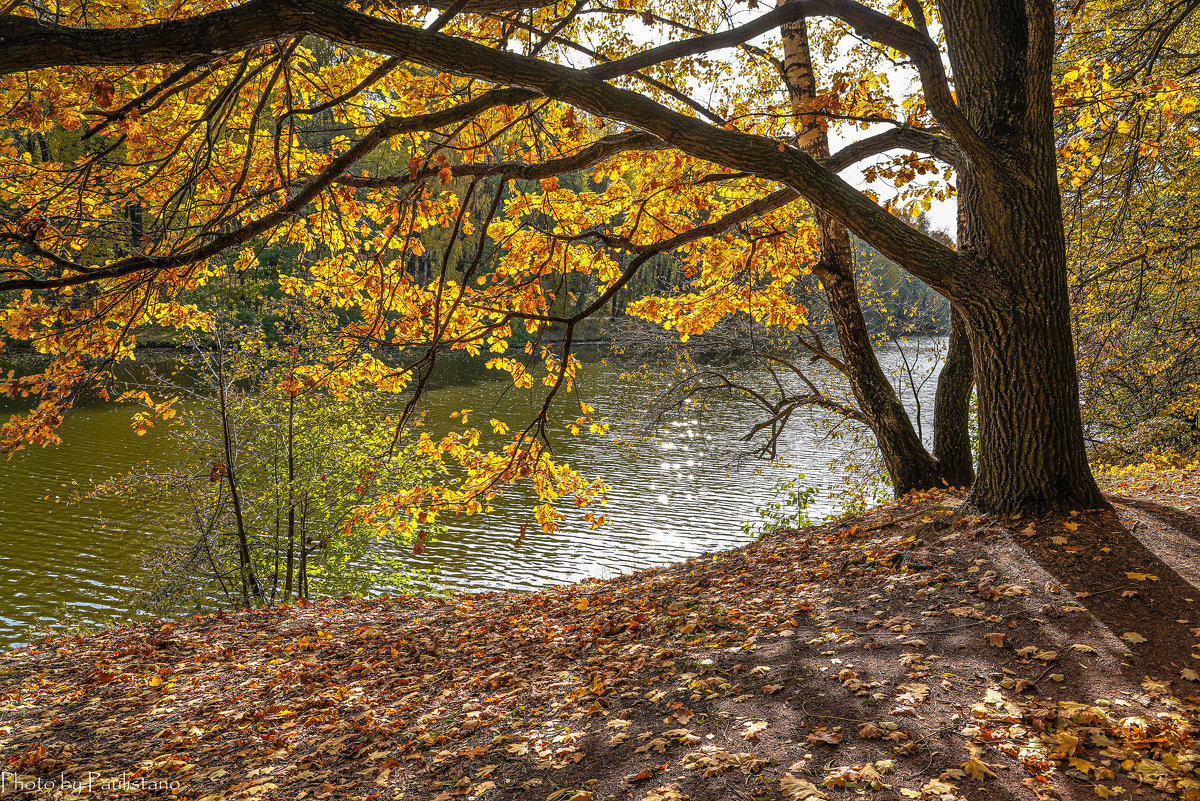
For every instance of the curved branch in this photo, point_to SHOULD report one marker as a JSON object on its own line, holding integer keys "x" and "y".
{"x": 593, "y": 154}
{"x": 902, "y": 138}
{"x": 939, "y": 266}
{"x": 927, "y": 58}
{"x": 29, "y": 45}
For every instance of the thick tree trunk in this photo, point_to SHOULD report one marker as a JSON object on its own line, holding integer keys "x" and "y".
{"x": 909, "y": 465}
{"x": 1032, "y": 457}
{"x": 952, "y": 409}
{"x": 1017, "y": 313}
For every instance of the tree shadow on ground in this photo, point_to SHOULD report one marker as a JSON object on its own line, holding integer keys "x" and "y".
{"x": 1137, "y": 572}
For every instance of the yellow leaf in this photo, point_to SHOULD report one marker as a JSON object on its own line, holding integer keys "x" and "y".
{"x": 1082, "y": 765}
{"x": 1141, "y": 576}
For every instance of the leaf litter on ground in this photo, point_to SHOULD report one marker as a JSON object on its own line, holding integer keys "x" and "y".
{"x": 811, "y": 664}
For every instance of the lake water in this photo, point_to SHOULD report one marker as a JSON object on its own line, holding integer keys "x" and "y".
{"x": 672, "y": 496}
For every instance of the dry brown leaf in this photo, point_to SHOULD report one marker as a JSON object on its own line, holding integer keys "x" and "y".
{"x": 823, "y": 735}
{"x": 869, "y": 731}
{"x": 657, "y": 744}
{"x": 794, "y": 789}
{"x": 668, "y": 792}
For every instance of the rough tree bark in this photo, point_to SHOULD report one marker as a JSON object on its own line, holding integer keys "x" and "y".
{"x": 1017, "y": 312}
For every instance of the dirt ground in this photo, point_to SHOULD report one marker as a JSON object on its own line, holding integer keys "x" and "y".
{"x": 912, "y": 652}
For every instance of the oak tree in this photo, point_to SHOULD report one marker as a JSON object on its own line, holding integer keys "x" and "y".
{"x": 185, "y": 138}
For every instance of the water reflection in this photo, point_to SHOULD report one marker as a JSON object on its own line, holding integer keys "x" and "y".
{"x": 671, "y": 498}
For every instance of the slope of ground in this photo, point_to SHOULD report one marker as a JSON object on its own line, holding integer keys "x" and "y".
{"x": 910, "y": 652}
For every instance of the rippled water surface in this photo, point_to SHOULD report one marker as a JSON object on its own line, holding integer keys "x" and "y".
{"x": 672, "y": 497}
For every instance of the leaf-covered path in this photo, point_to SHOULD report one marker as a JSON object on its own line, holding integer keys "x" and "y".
{"x": 910, "y": 652}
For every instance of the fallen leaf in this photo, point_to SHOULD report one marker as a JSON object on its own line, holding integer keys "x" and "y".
{"x": 912, "y": 693}
{"x": 668, "y": 792}
{"x": 823, "y": 735}
{"x": 869, "y": 731}
{"x": 753, "y": 730}
{"x": 977, "y": 769}
{"x": 794, "y": 789}
{"x": 682, "y": 736}
{"x": 657, "y": 744}
{"x": 937, "y": 787}
{"x": 1082, "y": 765}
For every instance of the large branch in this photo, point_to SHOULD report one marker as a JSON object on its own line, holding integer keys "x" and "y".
{"x": 903, "y": 138}
{"x": 27, "y": 44}
{"x": 586, "y": 157}
{"x": 30, "y": 44}
{"x": 933, "y": 262}
{"x": 257, "y": 20}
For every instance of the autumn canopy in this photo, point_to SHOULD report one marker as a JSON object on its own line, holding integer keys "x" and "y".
{"x": 465, "y": 177}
